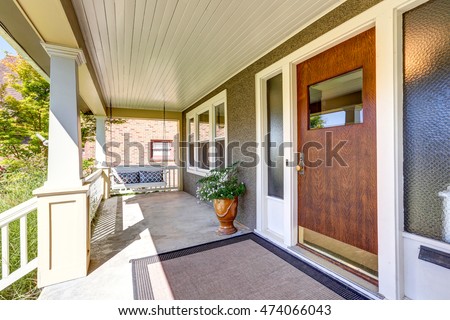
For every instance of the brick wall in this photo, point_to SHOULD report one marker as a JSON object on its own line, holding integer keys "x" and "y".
{"x": 134, "y": 135}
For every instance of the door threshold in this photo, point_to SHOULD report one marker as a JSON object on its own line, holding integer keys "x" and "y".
{"x": 340, "y": 263}
{"x": 328, "y": 268}
{"x": 336, "y": 271}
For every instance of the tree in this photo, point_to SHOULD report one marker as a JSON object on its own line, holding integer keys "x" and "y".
{"x": 21, "y": 119}
{"x": 24, "y": 104}
{"x": 316, "y": 122}
{"x": 88, "y": 126}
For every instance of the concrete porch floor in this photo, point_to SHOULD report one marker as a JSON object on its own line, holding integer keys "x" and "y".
{"x": 135, "y": 226}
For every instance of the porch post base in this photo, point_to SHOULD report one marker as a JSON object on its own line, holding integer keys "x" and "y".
{"x": 107, "y": 183}
{"x": 63, "y": 234}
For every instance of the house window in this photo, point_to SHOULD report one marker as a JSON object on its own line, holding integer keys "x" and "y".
{"x": 206, "y": 132}
{"x": 191, "y": 141}
{"x": 275, "y": 169}
{"x": 203, "y": 134}
{"x": 161, "y": 150}
{"x": 336, "y": 101}
{"x": 426, "y": 121}
{"x": 219, "y": 135}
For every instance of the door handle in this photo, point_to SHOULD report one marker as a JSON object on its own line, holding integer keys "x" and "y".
{"x": 301, "y": 164}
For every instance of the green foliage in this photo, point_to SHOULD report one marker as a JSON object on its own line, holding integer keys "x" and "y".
{"x": 88, "y": 125}
{"x": 26, "y": 287}
{"x": 87, "y": 128}
{"x": 220, "y": 184}
{"x": 88, "y": 166}
{"x": 21, "y": 119}
{"x": 17, "y": 183}
{"x": 24, "y": 163}
{"x": 23, "y": 167}
{"x": 19, "y": 179}
{"x": 316, "y": 122}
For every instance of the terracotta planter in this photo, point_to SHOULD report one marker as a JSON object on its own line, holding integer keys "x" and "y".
{"x": 226, "y": 210}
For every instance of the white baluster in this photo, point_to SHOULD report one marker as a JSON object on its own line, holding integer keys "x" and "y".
{"x": 23, "y": 241}
{"x": 5, "y": 251}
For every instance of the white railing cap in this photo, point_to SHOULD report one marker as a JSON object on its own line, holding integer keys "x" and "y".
{"x": 93, "y": 176}
{"x": 18, "y": 211}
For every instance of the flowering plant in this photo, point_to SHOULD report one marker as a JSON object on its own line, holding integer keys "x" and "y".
{"x": 220, "y": 184}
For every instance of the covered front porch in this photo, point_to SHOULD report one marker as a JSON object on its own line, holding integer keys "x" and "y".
{"x": 135, "y": 226}
{"x": 155, "y": 225}
{"x": 232, "y": 74}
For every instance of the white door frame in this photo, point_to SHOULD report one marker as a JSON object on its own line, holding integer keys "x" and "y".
{"x": 262, "y": 222}
{"x": 386, "y": 18}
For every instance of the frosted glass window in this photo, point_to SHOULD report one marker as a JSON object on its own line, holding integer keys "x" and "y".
{"x": 426, "y": 120}
{"x": 275, "y": 136}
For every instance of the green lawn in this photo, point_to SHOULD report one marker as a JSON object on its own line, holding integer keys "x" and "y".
{"x": 16, "y": 187}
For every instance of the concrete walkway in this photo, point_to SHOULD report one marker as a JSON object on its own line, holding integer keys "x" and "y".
{"x": 130, "y": 227}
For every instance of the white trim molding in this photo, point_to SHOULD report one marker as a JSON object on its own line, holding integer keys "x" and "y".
{"x": 387, "y": 20}
{"x": 65, "y": 52}
{"x": 287, "y": 220}
{"x": 424, "y": 280}
{"x": 209, "y": 106}
{"x": 5, "y": 35}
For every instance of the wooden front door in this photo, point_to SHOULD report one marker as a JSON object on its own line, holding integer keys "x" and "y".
{"x": 337, "y": 192}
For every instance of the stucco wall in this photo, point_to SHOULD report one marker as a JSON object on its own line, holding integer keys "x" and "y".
{"x": 241, "y": 100}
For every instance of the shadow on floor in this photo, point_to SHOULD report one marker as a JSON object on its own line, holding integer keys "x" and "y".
{"x": 135, "y": 226}
{"x": 174, "y": 220}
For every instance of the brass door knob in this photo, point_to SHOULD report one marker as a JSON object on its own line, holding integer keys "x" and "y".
{"x": 301, "y": 164}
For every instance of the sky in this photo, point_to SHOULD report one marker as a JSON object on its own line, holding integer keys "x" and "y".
{"x": 4, "y": 46}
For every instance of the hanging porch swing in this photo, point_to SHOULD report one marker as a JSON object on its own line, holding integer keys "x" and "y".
{"x": 137, "y": 178}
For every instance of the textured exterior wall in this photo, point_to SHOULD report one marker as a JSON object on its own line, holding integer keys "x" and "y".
{"x": 241, "y": 99}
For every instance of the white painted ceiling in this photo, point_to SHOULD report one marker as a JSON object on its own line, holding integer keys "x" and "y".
{"x": 146, "y": 52}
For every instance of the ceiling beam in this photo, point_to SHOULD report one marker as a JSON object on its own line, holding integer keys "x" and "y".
{"x": 22, "y": 37}
{"x": 73, "y": 21}
{"x": 145, "y": 114}
{"x": 51, "y": 23}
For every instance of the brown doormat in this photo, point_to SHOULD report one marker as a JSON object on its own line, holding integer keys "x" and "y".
{"x": 244, "y": 267}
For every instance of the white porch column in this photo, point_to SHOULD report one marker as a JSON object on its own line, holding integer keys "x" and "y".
{"x": 63, "y": 201}
{"x": 100, "y": 141}
{"x": 64, "y": 153}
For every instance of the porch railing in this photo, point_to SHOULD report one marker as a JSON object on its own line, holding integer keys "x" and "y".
{"x": 19, "y": 212}
{"x": 96, "y": 191}
{"x": 172, "y": 177}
